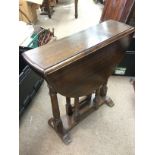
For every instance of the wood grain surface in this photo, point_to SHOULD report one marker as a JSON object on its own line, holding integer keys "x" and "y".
{"x": 69, "y": 49}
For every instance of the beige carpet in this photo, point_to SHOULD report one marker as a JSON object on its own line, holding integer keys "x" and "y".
{"x": 63, "y": 20}
{"x": 107, "y": 131}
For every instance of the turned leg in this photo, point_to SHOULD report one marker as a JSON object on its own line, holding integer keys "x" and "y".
{"x": 103, "y": 94}
{"x": 47, "y": 6}
{"x": 97, "y": 99}
{"x": 103, "y": 90}
{"x": 56, "y": 120}
{"x": 68, "y": 106}
{"x": 76, "y": 110}
{"x": 57, "y": 123}
{"x": 76, "y": 8}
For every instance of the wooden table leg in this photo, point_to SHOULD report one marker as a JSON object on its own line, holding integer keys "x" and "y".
{"x": 56, "y": 122}
{"x": 47, "y": 5}
{"x": 69, "y": 110}
{"x": 97, "y": 99}
{"x": 76, "y": 8}
{"x": 103, "y": 93}
{"x": 77, "y": 108}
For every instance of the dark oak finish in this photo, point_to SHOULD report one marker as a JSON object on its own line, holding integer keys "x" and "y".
{"x": 120, "y": 10}
{"x": 69, "y": 110}
{"x": 80, "y": 65}
{"x": 51, "y": 57}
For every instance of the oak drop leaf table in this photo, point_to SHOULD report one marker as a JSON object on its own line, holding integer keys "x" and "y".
{"x": 78, "y": 66}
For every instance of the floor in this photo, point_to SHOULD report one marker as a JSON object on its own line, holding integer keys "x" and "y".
{"x": 63, "y": 20}
{"x": 107, "y": 131}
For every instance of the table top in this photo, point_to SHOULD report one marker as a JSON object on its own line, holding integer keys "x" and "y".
{"x": 51, "y": 57}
